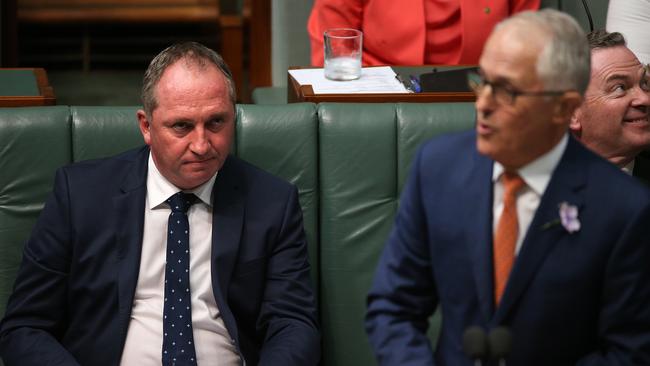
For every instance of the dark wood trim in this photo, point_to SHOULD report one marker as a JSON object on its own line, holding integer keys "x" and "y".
{"x": 116, "y": 11}
{"x": 45, "y": 89}
{"x": 232, "y": 49}
{"x": 260, "y": 44}
{"x": 305, "y": 93}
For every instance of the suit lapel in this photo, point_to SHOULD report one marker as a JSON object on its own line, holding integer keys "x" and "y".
{"x": 545, "y": 231}
{"x": 479, "y": 240}
{"x": 129, "y": 211}
{"x": 227, "y": 224}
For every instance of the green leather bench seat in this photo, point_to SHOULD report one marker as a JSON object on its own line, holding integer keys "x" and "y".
{"x": 349, "y": 162}
{"x": 365, "y": 154}
{"x": 33, "y": 143}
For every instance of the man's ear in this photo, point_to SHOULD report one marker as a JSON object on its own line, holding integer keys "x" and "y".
{"x": 575, "y": 126}
{"x": 565, "y": 110}
{"x": 145, "y": 126}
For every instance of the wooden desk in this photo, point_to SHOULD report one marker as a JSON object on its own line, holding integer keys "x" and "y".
{"x": 305, "y": 93}
{"x": 24, "y": 87}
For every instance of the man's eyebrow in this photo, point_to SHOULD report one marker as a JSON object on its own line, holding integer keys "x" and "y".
{"x": 180, "y": 120}
{"x": 617, "y": 77}
{"x": 501, "y": 80}
{"x": 218, "y": 115}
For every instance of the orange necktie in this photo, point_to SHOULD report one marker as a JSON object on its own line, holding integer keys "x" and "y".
{"x": 505, "y": 238}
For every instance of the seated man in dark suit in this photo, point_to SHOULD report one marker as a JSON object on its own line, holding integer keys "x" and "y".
{"x": 517, "y": 224}
{"x": 175, "y": 253}
{"x": 613, "y": 120}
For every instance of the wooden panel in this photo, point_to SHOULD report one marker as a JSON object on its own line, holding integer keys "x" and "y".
{"x": 76, "y": 11}
{"x": 260, "y": 44}
{"x": 229, "y": 27}
{"x": 117, "y": 15}
{"x": 232, "y": 48}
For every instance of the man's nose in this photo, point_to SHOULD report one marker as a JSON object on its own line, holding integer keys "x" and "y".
{"x": 641, "y": 97}
{"x": 485, "y": 102}
{"x": 199, "y": 144}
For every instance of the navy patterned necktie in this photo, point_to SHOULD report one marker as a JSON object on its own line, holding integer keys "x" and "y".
{"x": 178, "y": 340}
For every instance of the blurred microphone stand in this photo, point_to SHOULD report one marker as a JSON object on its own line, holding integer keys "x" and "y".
{"x": 499, "y": 344}
{"x": 475, "y": 344}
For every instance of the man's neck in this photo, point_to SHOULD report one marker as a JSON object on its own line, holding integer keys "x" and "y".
{"x": 621, "y": 161}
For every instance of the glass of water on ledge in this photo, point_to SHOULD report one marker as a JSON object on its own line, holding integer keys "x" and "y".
{"x": 343, "y": 48}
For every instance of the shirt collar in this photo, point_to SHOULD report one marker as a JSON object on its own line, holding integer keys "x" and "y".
{"x": 538, "y": 172}
{"x": 629, "y": 167}
{"x": 159, "y": 189}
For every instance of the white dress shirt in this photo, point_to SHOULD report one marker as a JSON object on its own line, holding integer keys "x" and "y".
{"x": 144, "y": 339}
{"x": 629, "y": 168}
{"x": 536, "y": 174}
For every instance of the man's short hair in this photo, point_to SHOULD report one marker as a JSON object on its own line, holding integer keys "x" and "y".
{"x": 601, "y": 38}
{"x": 191, "y": 52}
{"x": 565, "y": 61}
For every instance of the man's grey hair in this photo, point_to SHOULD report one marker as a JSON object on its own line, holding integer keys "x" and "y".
{"x": 565, "y": 61}
{"x": 601, "y": 38}
{"x": 192, "y": 53}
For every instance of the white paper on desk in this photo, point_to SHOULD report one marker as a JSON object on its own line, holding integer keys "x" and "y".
{"x": 373, "y": 80}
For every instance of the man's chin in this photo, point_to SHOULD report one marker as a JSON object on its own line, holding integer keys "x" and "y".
{"x": 483, "y": 146}
{"x": 193, "y": 179}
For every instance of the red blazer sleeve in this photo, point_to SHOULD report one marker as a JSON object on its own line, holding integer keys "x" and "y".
{"x": 328, "y": 14}
{"x": 521, "y": 5}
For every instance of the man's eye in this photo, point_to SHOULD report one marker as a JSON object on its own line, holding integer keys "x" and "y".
{"x": 181, "y": 126}
{"x": 644, "y": 84}
{"x": 503, "y": 89}
{"x": 619, "y": 89}
{"x": 215, "y": 124}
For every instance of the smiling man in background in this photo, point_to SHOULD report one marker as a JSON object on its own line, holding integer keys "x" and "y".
{"x": 613, "y": 120}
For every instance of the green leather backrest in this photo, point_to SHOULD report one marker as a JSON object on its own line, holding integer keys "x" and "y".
{"x": 282, "y": 140}
{"x": 34, "y": 142}
{"x": 99, "y": 132}
{"x": 365, "y": 153}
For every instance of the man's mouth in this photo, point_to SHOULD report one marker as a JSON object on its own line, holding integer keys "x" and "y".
{"x": 483, "y": 128}
{"x": 198, "y": 162}
{"x": 637, "y": 119}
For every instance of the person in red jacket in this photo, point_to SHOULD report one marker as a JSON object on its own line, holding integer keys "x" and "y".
{"x": 413, "y": 32}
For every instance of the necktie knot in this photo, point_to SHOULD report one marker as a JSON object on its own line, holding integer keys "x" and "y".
{"x": 181, "y": 201}
{"x": 512, "y": 184}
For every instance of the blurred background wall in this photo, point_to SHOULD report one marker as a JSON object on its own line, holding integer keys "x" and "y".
{"x": 102, "y": 63}
{"x": 290, "y": 41}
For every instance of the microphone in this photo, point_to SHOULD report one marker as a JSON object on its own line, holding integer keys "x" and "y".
{"x": 475, "y": 344}
{"x": 499, "y": 342}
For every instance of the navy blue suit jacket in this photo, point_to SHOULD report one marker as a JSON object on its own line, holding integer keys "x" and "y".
{"x": 572, "y": 298}
{"x": 74, "y": 291}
